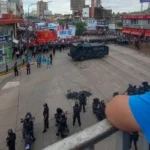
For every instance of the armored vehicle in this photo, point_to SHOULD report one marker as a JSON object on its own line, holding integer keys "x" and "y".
{"x": 83, "y": 51}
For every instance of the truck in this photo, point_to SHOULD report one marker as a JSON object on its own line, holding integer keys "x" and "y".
{"x": 84, "y": 51}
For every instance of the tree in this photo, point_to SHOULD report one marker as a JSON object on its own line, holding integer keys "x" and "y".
{"x": 80, "y": 27}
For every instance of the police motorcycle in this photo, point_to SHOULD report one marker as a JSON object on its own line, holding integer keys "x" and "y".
{"x": 146, "y": 86}
{"x": 61, "y": 123}
{"x": 95, "y": 105}
{"x": 99, "y": 109}
{"x": 58, "y": 116}
{"x": 27, "y": 130}
{"x": 63, "y": 129}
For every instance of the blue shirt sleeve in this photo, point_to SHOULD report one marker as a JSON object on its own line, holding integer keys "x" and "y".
{"x": 140, "y": 108}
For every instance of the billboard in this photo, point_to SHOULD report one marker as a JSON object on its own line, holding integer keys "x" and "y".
{"x": 142, "y": 1}
{"x": 86, "y": 12}
{"x": 67, "y": 33}
{"x": 111, "y": 26}
{"x": 53, "y": 26}
{"x": 92, "y": 24}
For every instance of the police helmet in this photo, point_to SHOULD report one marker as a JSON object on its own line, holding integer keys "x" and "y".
{"x": 96, "y": 99}
{"x": 45, "y": 104}
{"x": 10, "y": 131}
{"x": 115, "y": 94}
{"x": 77, "y": 103}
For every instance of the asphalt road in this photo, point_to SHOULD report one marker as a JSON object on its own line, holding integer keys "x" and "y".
{"x": 101, "y": 77}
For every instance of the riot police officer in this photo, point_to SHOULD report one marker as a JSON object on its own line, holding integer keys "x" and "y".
{"x": 134, "y": 136}
{"x": 10, "y": 140}
{"x": 76, "y": 114}
{"x": 28, "y": 126}
{"x": 46, "y": 117}
{"x": 82, "y": 100}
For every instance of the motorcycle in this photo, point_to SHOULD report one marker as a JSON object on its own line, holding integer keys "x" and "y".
{"x": 27, "y": 134}
{"x": 95, "y": 105}
{"x": 63, "y": 130}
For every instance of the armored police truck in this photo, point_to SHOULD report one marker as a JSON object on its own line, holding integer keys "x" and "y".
{"x": 83, "y": 51}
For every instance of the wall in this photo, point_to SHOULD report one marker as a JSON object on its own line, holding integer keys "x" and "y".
{"x": 141, "y": 24}
{"x": 7, "y": 30}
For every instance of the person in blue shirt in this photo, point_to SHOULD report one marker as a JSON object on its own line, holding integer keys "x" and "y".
{"x": 48, "y": 63}
{"x": 38, "y": 59}
{"x": 43, "y": 60}
{"x": 29, "y": 60}
{"x": 130, "y": 113}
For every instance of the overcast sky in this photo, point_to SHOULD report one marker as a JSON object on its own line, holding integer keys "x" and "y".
{"x": 63, "y": 6}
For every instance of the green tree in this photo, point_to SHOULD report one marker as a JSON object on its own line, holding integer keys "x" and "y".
{"x": 80, "y": 27}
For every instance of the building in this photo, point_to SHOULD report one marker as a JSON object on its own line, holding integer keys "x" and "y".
{"x": 137, "y": 25}
{"x": 97, "y": 3}
{"x": 10, "y": 16}
{"x": 41, "y": 8}
{"x": 77, "y": 4}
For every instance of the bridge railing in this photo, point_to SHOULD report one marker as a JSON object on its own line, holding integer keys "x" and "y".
{"x": 86, "y": 139}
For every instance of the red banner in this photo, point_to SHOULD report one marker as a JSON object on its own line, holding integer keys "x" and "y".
{"x": 142, "y": 17}
{"x": 45, "y": 36}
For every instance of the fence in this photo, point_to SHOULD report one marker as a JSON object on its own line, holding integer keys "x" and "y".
{"x": 87, "y": 139}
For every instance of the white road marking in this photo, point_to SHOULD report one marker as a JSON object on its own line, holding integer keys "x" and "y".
{"x": 10, "y": 85}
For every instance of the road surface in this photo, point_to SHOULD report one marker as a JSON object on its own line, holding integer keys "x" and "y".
{"x": 101, "y": 77}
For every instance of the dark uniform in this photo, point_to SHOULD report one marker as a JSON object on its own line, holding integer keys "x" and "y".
{"x": 51, "y": 57}
{"x": 28, "y": 68}
{"x": 28, "y": 126}
{"x": 134, "y": 136}
{"x": 46, "y": 117}
{"x": 54, "y": 49}
{"x": 76, "y": 115}
{"x": 10, "y": 140}
{"x": 82, "y": 100}
{"x": 16, "y": 69}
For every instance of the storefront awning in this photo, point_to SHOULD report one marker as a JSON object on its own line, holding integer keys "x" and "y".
{"x": 136, "y": 33}
{"x": 126, "y": 31}
{"x": 15, "y": 41}
{"x": 147, "y": 33}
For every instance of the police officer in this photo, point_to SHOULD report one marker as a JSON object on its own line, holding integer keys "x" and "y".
{"x": 28, "y": 68}
{"x": 46, "y": 117}
{"x": 76, "y": 114}
{"x": 82, "y": 100}
{"x": 16, "y": 69}
{"x": 28, "y": 126}
{"x": 134, "y": 136}
{"x": 10, "y": 140}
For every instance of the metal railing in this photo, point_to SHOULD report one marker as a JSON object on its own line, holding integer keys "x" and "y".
{"x": 87, "y": 138}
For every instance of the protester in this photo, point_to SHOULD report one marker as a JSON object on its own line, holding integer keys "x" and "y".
{"x": 38, "y": 61}
{"x": 48, "y": 63}
{"x": 51, "y": 58}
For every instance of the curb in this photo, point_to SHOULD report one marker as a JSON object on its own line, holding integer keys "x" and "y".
{"x": 11, "y": 71}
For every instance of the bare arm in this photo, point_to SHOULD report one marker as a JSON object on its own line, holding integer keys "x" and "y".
{"x": 119, "y": 114}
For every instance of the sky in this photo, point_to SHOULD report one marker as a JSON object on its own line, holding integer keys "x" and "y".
{"x": 63, "y": 6}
